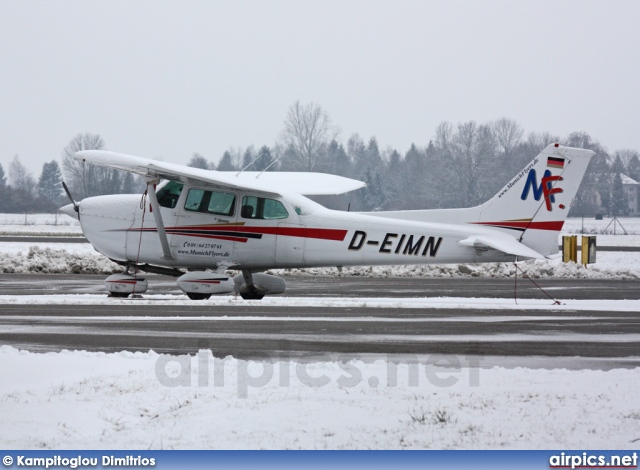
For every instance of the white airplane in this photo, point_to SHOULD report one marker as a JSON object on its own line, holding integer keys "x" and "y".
{"x": 195, "y": 224}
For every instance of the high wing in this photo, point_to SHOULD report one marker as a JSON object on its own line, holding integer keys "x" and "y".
{"x": 267, "y": 182}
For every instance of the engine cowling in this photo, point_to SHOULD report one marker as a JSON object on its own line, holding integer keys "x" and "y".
{"x": 200, "y": 285}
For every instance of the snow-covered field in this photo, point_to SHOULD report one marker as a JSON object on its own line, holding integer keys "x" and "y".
{"x": 79, "y": 400}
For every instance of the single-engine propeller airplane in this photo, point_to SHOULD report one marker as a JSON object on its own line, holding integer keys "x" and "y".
{"x": 196, "y": 224}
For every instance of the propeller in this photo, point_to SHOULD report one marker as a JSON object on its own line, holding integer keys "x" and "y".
{"x": 75, "y": 204}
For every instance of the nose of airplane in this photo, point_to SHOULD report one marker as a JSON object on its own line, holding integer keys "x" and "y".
{"x": 70, "y": 211}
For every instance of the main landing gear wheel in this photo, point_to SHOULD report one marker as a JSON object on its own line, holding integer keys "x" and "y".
{"x": 194, "y": 296}
{"x": 121, "y": 295}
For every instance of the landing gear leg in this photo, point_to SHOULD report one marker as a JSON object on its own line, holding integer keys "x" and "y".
{"x": 251, "y": 292}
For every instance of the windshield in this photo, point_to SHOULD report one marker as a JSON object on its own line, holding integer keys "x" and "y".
{"x": 169, "y": 194}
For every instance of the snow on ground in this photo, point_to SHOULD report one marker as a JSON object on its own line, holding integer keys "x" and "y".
{"x": 606, "y": 226}
{"x": 440, "y": 303}
{"x": 48, "y": 258}
{"x": 39, "y": 224}
{"x": 78, "y": 400}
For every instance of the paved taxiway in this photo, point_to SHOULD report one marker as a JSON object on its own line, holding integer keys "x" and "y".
{"x": 252, "y": 329}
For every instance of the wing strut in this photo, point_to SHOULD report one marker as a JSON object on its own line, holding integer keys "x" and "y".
{"x": 155, "y": 208}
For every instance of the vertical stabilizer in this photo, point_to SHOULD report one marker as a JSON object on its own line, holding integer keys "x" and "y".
{"x": 534, "y": 204}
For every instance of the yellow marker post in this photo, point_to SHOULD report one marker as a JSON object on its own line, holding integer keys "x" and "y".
{"x": 588, "y": 250}
{"x": 570, "y": 248}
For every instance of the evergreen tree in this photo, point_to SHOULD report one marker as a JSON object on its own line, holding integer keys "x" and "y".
{"x": 393, "y": 180}
{"x": 618, "y": 203}
{"x": 3, "y": 178}
{"x": 4, "y": 196}
{"x": 248, "y": 158}
{"x": 597, "y": 180}
{"x": 337, "y": 160}
{"x": 357, "y": 152}
{"x": 373, "y": 195}
{"x": 226, "y": 163}
{"x": 129, "y": 185}
{"x": 50, "y": 183}
{"x": 412, "y": 191}
{"x": 265, "y": 159}
{"x": 633, "y": 168}
{"x": 374, "y": 159}
{"x": 617, "y": 166}
{"x": 198, "y": 161}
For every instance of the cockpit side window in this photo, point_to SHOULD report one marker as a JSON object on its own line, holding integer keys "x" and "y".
{"x": 262, "y": 208}
{"x": 169, "y": 194}
{"x": 210, "y": 202}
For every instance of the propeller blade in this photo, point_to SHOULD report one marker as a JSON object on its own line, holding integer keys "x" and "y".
{"x": 66, "y": 190}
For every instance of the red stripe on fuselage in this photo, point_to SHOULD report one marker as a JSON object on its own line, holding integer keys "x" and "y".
{"x": 554, "y": 225}
{"x": 302, "y": 232}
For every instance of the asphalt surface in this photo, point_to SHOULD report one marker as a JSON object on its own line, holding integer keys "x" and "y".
{"x": 553, "y": 337}
{"x": 353, "y": 286}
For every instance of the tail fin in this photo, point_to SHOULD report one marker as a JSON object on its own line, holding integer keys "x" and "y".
{"x": 534, "y": 204}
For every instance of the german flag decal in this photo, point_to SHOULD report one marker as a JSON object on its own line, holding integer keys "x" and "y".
{"x": 555, "y": 162}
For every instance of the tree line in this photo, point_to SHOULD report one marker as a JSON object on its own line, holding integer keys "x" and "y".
{"x": 461, "y": 165}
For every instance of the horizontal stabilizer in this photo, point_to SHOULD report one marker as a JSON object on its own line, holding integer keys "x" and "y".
{"x": 504, "y": 243}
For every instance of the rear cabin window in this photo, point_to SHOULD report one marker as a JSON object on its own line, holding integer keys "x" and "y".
{"x": 169, "y": 194}
{"x": 262, "y": 208}
{"x": 210, "y": 202}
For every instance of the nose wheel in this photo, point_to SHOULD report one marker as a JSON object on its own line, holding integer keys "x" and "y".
{"x": 195, "y": 296}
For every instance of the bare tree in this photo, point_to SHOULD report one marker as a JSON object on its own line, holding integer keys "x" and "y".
{"x": 508, "y": 135}
{"x": 473, "y": 160}
{"x": 307, "y": 129}
{"x": 537, "y": 141}
{"x": 21, "y": 179}
{"x": 443, "y": 139}
{"x": 80, "y": 176}
{"x": 22, "y": 191}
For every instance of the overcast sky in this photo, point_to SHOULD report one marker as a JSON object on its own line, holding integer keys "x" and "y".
{"x": 167, "y": 79}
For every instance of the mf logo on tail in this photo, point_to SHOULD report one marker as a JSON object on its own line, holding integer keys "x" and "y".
{"x": 546, "y": 188}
